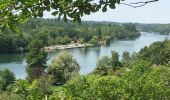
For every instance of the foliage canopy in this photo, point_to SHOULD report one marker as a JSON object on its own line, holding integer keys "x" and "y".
{"x": 14, "y": 11}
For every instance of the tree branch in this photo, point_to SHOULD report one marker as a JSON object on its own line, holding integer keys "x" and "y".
{"x": 139, "y": 4}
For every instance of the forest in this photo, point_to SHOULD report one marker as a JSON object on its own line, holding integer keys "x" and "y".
{"x": 155, "y": 28}
{"x": 54, "y": 32}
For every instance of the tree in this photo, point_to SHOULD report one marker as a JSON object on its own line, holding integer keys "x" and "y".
{"x": 94, "y": 87}
{"x": 38, "y": 89}
{"x": 13, "y": 11}
{"x": 63, "y": 68}
{"x": 106, "y": 66}
{"x": 94, "y": 40}
{"x": 156, "y": 53}
{"x": 103, "y": 66}
{"x": 10, "y": 43}
{"x": 146, "y": 81}
{"x": 99, "y": 33}
{"x": 115, "y": 60}
{"x": 163, "y": 29}
{"x": 36, "y": 60}
{"x": 6, "y": 78}
{"x": 126, "y": 58}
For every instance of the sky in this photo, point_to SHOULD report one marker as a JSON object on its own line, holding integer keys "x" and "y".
{"x": 157, "y": 12}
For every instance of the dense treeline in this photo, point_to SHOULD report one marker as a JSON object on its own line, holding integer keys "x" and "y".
{"x": 140, "y": 76}
{"x": 158, "y": 53}
{"x": 156, "y": 28}
{"x": 10, "y": 42}
{"x": 52, "y": 32}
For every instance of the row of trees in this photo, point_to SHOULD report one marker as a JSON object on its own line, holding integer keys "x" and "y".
{"x": 157, "y": 53}
{"x": 133, "y": 77}
{"x": 52, "y": 32}
{"x": 156, "y": 28}
{"x": 143, "y": 82}
{"x": 10, "y": 43}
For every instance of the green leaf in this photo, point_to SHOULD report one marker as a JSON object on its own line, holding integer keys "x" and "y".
{"x": 112, "y": 6}
{"x": 40, "y": 14}
{"x": 55, "y": 13}
{"x": 3, "y": 27}
{"x": 104, "y": 9}
{"x": 14, "y": 28}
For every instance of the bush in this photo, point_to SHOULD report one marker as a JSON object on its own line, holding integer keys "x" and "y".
{"x": 6, "y": 78}
{"x": 94, "y": 88}
{"x": 63, "y": 68}
{"x": 10, "y": 96}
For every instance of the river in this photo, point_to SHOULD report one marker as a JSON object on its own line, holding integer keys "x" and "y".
{"x": 86, "y": 57}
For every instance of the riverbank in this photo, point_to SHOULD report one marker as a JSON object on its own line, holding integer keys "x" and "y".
{"x": 87, "y": 58}
{"x": 68, "y": 46}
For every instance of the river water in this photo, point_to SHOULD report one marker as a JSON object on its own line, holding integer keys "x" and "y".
{"x": 86, "y": 57}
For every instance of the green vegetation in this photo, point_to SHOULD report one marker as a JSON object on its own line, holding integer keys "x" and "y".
{"x": 6, "y": 78}
{"x": 103, "y": 66}
{"x": 10, "y": 42}
{"x": 63, "y": 68}
{"x": 143, "y": 81}
{"x": 26, "y": 9}
{"x": 146, "y": 81}
{"x": 158, "y": 53}
{"x": 156, "y": 28}
{"x": 9, "y": 96}
{"x": 142, "y": 76}
{"x": 136, "y": 76}
{"x": 126, "y": 58}
{"x": 14, "y": 11}
{"x": 54, "y": 32}
{"x": 38, "y": 89}
{"x": 106, "y": 66}
{"x": 94, "y": 87}
{"x": 36, "y": 60}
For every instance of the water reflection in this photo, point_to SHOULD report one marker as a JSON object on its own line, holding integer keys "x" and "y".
{"x": 12, "y": 58}
{"x": 86, "y": 57}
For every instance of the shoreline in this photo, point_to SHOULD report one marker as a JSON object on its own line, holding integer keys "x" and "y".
{"x": 67, "y": 46}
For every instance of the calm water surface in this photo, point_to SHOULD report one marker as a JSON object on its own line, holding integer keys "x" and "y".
{"x": 86, "y": 57}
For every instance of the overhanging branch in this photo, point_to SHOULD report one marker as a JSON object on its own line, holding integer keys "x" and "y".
{"x": 139, "y": 4}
